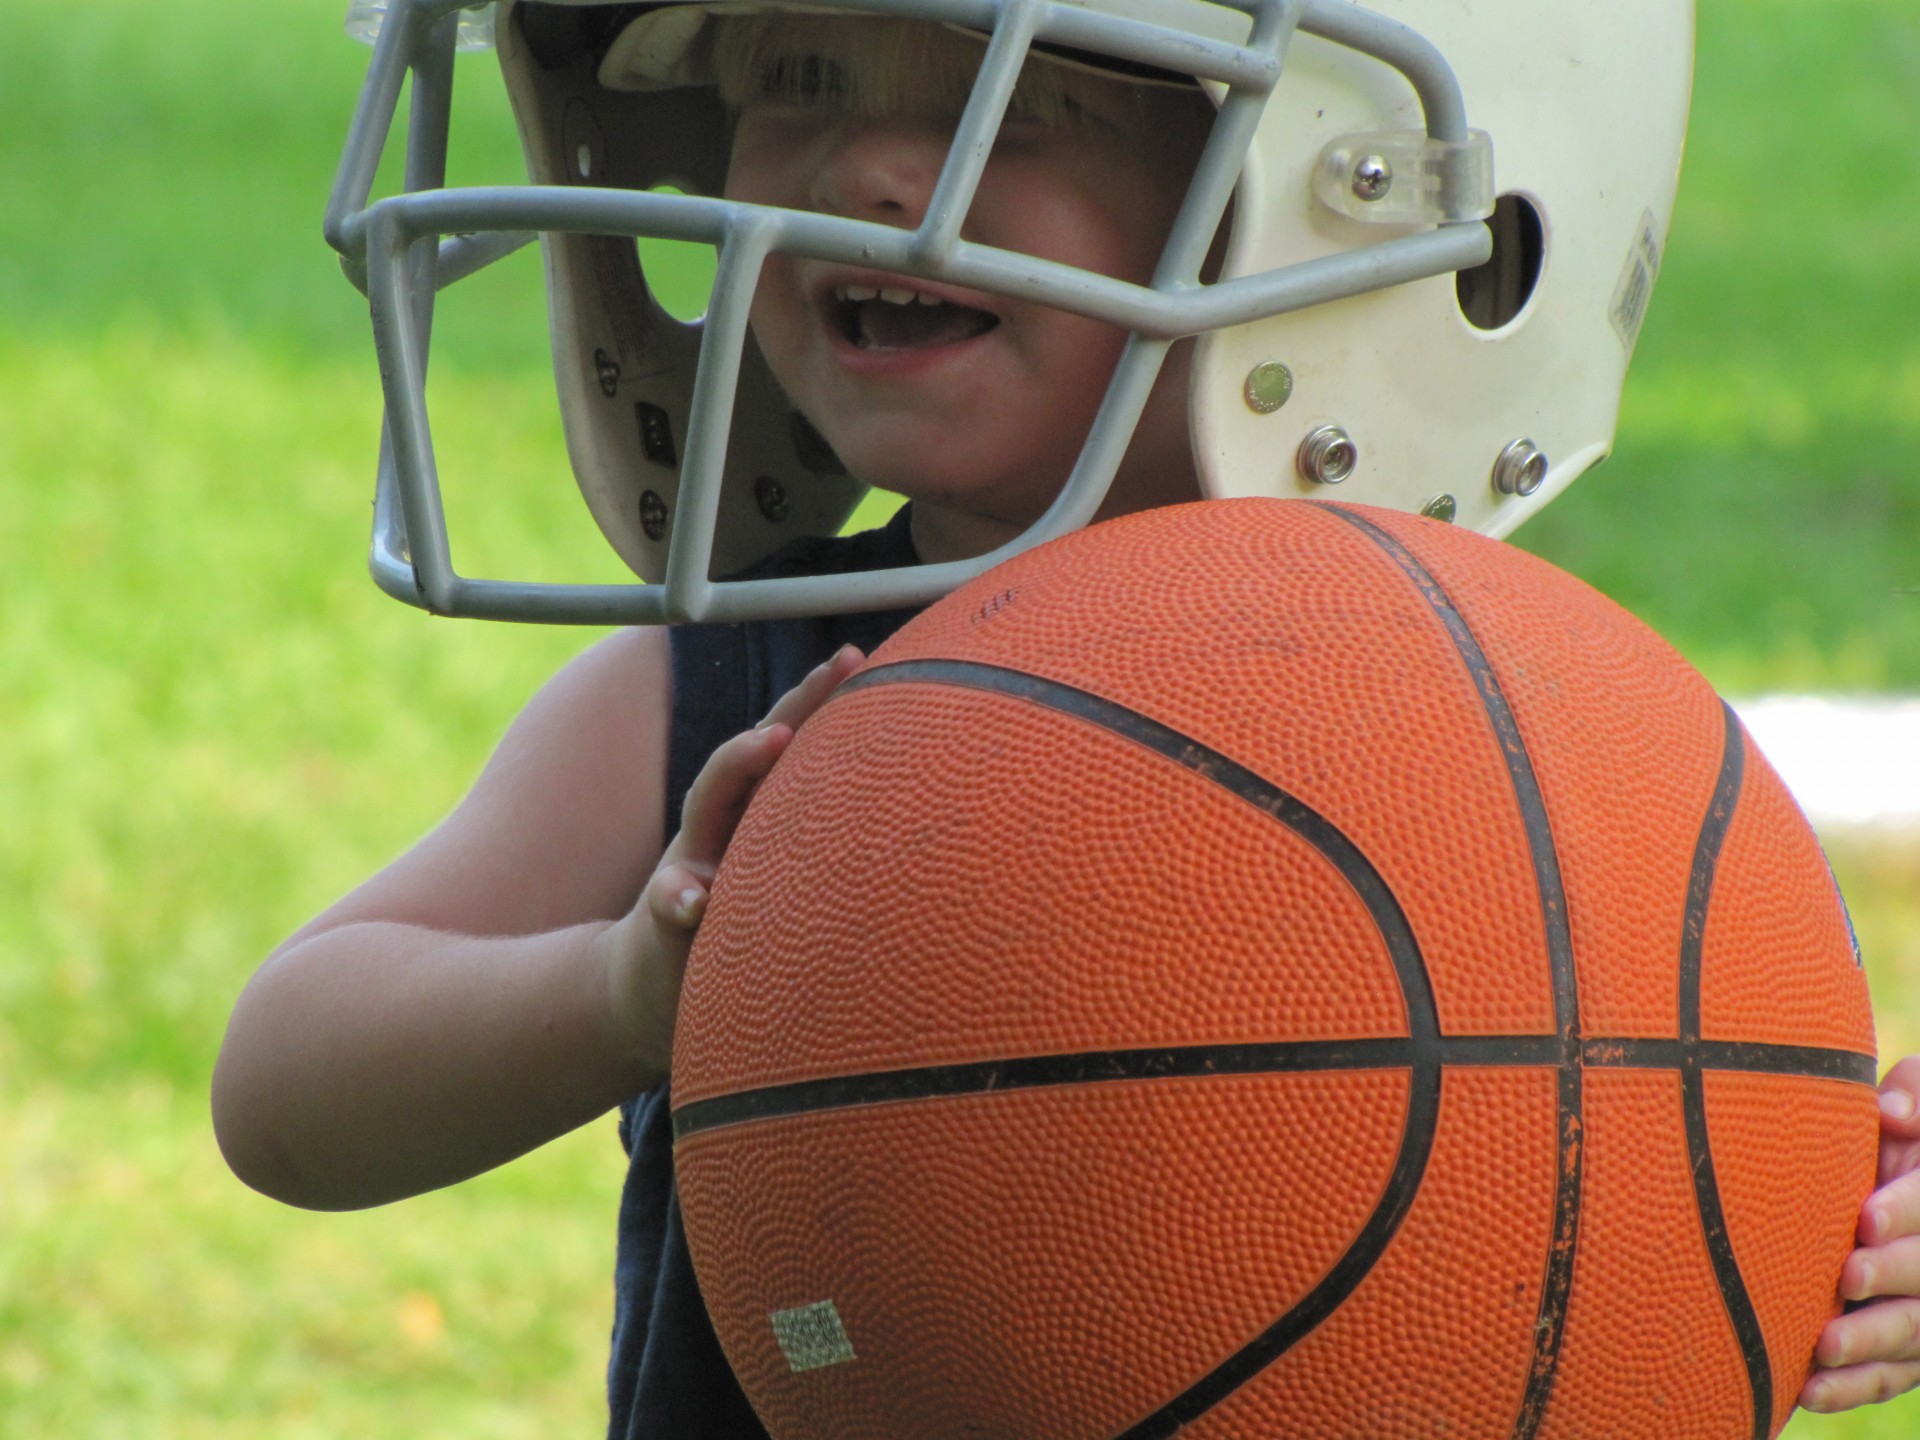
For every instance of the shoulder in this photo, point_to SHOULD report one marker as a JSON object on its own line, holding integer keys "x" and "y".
{"x": 575, "y": 792}
{"x": 564, "y": 823}
{"x": 603, "y": 698}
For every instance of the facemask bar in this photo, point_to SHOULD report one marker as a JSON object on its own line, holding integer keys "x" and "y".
{"x": 407, "y": 246}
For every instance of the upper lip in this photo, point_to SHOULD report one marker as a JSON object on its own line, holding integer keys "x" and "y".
{"x": 829, "y": 282}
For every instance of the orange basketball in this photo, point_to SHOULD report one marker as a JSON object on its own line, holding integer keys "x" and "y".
{"x": 1270, "y": 969}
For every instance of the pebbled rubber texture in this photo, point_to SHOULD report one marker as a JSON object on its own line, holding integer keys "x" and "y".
{"x": 1274, "y": 968}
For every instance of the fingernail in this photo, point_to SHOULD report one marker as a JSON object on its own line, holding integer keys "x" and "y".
{"x": 1868, "y": 1282}
{"x": 1897, "y": 1103}
{"x": 1879, "y": 1217}
{"x": 687, "y": 905}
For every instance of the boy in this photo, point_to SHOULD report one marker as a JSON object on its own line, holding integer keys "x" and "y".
{"x": 515, "y": 974}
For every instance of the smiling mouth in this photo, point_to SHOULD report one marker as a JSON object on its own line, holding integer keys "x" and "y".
{"x": 901, "y": 319}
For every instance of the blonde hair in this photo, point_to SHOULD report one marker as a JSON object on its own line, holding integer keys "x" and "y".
{"x": 874, "y": 67}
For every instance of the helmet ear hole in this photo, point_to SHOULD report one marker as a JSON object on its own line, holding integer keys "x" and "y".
{"x": 679, "y": 273}
{"x": 1492, "y": 294}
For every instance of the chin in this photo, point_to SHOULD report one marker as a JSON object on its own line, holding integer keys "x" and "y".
{"x": 996, "y": 501}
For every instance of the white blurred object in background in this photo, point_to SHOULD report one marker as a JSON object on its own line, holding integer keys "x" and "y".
{"x": 1852, "y": 763}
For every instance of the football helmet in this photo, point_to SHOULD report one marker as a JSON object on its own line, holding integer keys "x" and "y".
{"x": 1444, "y": 218}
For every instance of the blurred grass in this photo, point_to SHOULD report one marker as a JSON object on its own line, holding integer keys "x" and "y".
{"x": 143, "y": 1292}
{"x": 1762, "y": 509}
{"x": 211, "y": 723}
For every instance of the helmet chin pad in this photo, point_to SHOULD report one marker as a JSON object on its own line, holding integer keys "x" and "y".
{"x": 624, "y": 367}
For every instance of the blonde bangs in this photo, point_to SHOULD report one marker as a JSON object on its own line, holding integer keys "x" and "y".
{"x": 876, "y": 67}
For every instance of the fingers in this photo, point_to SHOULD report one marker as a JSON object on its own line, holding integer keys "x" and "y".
{"x": 1829, "y": 1390}
{"x": 719, "y": 795}
{"x": 648, "y": 949}
{"x": 1873, "y": 1353}
{"x": 1892, "y": 1212}
{"x": 1889, "y": 1269}
{"x": 811, "y": 693}
{"x": 676, "y": 897}
{"x": 1887, "y": 1331}
{"x": 674, "y": 901}
{"x": 1900, "y": 1100}
{"x": 645, "y": 955}
{"x": 646, "y": 952}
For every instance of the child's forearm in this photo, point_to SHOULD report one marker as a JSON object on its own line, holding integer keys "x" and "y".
{"x": 377, "y": 1060}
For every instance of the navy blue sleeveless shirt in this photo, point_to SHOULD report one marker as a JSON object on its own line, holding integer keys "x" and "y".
{"x": 667, "y": 1378}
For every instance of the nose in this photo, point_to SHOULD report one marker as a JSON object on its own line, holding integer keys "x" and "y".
{"x": 879, "y": 170}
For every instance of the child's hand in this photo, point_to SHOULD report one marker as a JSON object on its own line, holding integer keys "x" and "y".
{"x": 646, "y": 952}
{"x": 1873, "y": 1353}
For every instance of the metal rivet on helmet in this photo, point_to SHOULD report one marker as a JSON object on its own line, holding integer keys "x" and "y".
{"x": 1327, "y": 456}
{"x": 1520, "y": 470}
{"x": 1269, "y": 386}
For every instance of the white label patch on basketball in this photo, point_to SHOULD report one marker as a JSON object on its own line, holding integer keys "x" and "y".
{"x": 1630, "y": 296}
{"x": 811, "y": 1336}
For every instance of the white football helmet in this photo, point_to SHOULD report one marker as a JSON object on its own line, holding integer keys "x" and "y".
{"x": 1447, "y": 216}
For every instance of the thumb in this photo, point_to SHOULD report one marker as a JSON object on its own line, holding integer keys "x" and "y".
{"x": 676, "y": 901}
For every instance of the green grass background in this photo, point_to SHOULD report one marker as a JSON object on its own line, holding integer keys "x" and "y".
{"x": 211, "y": 723}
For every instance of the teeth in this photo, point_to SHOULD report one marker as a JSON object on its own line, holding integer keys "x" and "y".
{"x": 892, "y": 294}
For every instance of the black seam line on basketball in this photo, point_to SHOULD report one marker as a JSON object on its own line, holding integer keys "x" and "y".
{"x": 1423, "y": 1019}
{"x": 1340, "y": 1281}
{"x": 1034, "y": 1072}
{"x": 1752, "y": 1057}
{"x": 1403, "y": 950}
{"x": 1556, "y": 1286}
{"x": 1289, "y": 1057}
{"x": 1693, "y": 1095}
{"x": 1634, "y": 1052}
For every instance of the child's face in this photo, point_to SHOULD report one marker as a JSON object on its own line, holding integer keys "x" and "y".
{"x": 979, "y": 404}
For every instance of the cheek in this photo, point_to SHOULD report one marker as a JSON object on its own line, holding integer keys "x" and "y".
{"x": 1140, "y": 226}
{"x": 1111, "y": 218}
{"x": 778, "y": 314}
{"x": 763, "y": 164}
{"x": 1137, "y": 193}
{"x": 746, "y": 180}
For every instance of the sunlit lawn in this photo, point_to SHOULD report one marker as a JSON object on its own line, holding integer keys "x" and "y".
{"x": 211, "y": 723}
{"x": 146, "y": 1293}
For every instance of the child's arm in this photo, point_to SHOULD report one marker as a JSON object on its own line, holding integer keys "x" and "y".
{"x": 511, "y": 976}
{"x": 1873, "y": 1353}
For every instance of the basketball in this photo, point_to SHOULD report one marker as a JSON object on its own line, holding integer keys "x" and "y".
{"x": 1273, "y": 969}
